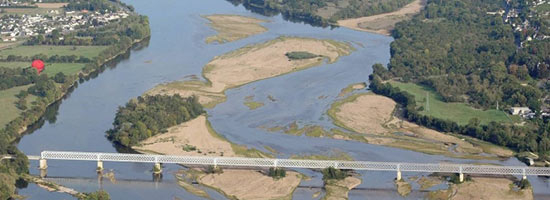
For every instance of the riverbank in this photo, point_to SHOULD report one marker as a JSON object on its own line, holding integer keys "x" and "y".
{"x": 384, "y": 23}
{"x": 242, "y": 66}
{"x": 230, "y": 28}
{"x": 377, "y": 119}
{"x": 81, "y": 76}
{"x": 45, "y": 91}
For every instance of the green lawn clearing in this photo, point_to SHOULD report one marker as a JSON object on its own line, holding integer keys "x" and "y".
{"x": 50, "y": 50}
{"x": 8, "y": 111}
{"x": 460, "y": 113}
{"x": 51, "y": 68}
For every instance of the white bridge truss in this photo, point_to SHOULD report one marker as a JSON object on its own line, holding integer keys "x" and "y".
{"x": 293, "y": 163}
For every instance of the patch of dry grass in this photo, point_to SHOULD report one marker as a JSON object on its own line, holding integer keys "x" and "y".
{"x": 233, "y": 27}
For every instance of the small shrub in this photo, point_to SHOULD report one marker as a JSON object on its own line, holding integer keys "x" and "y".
{"x": 455, "y": 178}
{"x": 299, "y": 55}
{"x": 276, "y": 173}
{"x": 213, "y": 170}
{"x": 157, "y": 169}
{"x": 332, "y": 173}
{"x": 98, "y": 195}
{"x": 189, "y": 148}
{"x": 523, "y": 184}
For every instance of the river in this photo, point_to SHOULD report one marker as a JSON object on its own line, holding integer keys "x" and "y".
{"x": 176, "y": 50}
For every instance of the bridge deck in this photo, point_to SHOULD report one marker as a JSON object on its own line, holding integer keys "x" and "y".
{"x": 292, "y": 163}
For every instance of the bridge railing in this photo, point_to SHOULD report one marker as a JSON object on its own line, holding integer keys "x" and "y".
{"x": 294, "y": 163}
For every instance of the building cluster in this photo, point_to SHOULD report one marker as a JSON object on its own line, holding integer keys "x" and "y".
{"x": 523, "y": 23}
{"x": 10, "y": 3}
{"x": 13, "y": 27}
{"x": 527, "y": 113}
{"x": 523, "y": 112}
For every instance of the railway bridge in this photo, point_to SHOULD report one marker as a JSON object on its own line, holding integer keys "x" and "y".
{"x": 397, "y": 167}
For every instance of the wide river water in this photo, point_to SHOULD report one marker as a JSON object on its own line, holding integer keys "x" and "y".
{"x": 176, "y": 50}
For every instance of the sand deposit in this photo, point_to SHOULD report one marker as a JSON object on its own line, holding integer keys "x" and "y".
{"x": 383, "y": 23}
{"x": 252, "y": 63}
{"x": 233, "y": 27}
{"x": 249, "y": 184}
{"x": 372, "y": 115}
{"x": 191, "y": 138}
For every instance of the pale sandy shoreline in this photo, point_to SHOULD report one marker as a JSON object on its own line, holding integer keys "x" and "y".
{"x": 383, "y": 23}
{"x": 191, "y": 138}
{"x": 242, "y": 66}
{"x": 373, "y": 116}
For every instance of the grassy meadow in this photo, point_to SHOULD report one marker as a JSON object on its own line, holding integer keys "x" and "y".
{"x": 460, "y": 113}
{"x": 8, "y": 110}
{"x": 51, "y": 68}
{"x": 49, "y": 50}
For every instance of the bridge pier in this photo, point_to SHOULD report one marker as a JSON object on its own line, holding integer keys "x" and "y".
{"x": 398, "y": 175}
{"x": 398, "y": 178}
{"x": 157, "y": 169}
{"x": 99, "y": 166}
{"x": 461, "y": 177}
{"x": 43, "y": 173}
{"x": 42, "y": 164}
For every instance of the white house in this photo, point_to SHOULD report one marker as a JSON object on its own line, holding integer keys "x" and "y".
{"x": 520, "y": 110}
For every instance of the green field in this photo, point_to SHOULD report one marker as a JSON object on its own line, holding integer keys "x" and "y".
{"x": 29, "y": 11}
{"x": 460, "y": 113}
{"x": 49, "y": 50}
{"x": 51, "y": 68}
{"x": 15, "y": 64}
{"x": 8, "y": 111}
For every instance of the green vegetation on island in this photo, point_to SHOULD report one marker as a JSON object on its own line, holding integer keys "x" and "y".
{"x": 147, "y": 116}
{"x": 299, "y": 55}
{"x": 97, "y": 195}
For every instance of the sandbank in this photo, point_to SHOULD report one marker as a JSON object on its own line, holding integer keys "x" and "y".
{"x": 339, "y": 189}
{"x": 194, "y": 138}
{"x": 252, "y": 63}
{"x": 233, "y": 27}
{"x": 384, "y": 23}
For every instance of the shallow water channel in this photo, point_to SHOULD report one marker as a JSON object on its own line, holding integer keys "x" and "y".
{"x": 176, "y": 50}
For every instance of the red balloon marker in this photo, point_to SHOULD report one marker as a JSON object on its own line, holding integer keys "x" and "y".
{"x": 38, "y": 65}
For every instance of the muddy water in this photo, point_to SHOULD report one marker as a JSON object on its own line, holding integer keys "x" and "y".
{"x": 176, "y": 50}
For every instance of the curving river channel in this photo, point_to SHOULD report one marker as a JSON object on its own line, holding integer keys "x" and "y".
{"x": 176, "y": 50}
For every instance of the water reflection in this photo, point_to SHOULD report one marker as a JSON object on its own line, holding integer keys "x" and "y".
{"x": 260, "y": 7}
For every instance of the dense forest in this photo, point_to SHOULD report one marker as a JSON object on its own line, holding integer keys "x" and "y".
{"x": 322, "y": 12}
{"x": 468, "y": 55}
{"x": 147, "y": 116}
